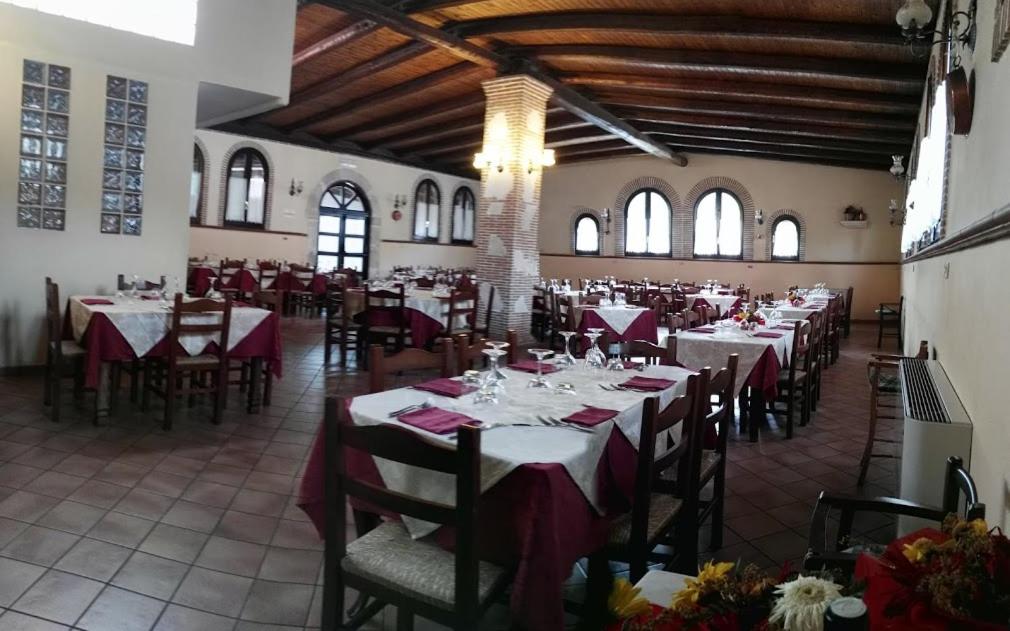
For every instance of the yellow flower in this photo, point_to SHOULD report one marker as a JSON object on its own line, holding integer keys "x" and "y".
{"x": 625, "y": 602}
{"x": 693, "y": 587}
{"x": 918, "y": 550}
{"x": 979, "y": 527}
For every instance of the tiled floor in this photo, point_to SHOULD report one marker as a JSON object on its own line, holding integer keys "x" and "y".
{"x": 127, "y": 527}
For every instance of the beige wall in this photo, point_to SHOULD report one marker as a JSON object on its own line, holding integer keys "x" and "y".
{"x": 381, "y": 181}
{"x": 959, "y": 302}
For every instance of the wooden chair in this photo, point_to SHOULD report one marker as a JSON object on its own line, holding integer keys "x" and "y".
{"x": 562, "y": 319}
{"x": 165, "y": 377}
{"x": 885, "y": 399}
{"x": 794, "y": 381}
{"x": 142, "y": 285}
{"x": 228, "y": 269}
{"x": 847, "y": 316}
{"x": 540, "y": 314}
{"x": 839, "y": 554}
{"x": 304, "y": 300}
{"x": 272, "y": 301}
{"x": 379, "y": 365}
{"x": 653, "y": 354}
{"x": 414, "y": 575}
{"x": 690, "y": 318}
{"x": 467, "y": 353}
{"x": 461, "y": 316}
{"x": 485, "y": 327}
{"x": 269, "y": 270}
{"x": 889, "y": 316}
{"x": 664, "y": 513}
{"x": 63, "y": 357}
{"x": 378, "y": 308}
{"x": 817, "y": 326}
{"x": 341, "y": 330}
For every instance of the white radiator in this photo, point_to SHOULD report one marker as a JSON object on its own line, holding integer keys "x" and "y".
{"x": 936, "y": 427}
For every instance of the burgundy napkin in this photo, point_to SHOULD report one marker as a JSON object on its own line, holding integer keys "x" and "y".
{"x": 435, "y": 420}
{"x": 770, "y": 334}
{"x": 785, "y": 327}
{"x": 702, "y": 329}
{"x": 96, "y": 301}
{"x": 648, "y": 383}
{"x": 630, "y": 365}
{"x": 591, "y": 416}
{"x": 530, "y": 365}
{"x": 445, "y": 387}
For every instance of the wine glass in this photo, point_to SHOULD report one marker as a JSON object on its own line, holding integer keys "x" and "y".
{"x": 567, "y": 359}
{"x": 495, "y": 368}
{"x": 136, "y": 283}
{"x": 493, "y": 355}
{"x": 487, "y": 393}
{"x": 595, "y": 359}
{"x": 540, "y": 381}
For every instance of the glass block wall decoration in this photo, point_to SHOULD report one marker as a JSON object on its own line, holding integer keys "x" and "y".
{"x": 123, "y": 156}
{"x": 42, "y": 161}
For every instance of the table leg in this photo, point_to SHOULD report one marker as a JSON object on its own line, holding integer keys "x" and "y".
{"x": 103, "y": 394}
{"x": 256, "y": 367}
{"x": 756, "y": 414}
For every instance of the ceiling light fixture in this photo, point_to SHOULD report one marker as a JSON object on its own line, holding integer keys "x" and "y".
{"x": 897, "y": 168}
{"x": 490, "y": 157}
{"x": 914, "y": 17}
{"x": 545, "y": 159}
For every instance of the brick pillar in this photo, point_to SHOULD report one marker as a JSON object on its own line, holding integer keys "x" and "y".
{"x": 508, "y": 224}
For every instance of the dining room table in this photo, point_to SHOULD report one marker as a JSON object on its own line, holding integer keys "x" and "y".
{"x": 426, "y": 312}
{"x": 548, "y": 492}
{"x": 726, "y": 303}
{"x": 126, "y": 328}
{"x": 623, "y": 323}
{"x": 201, "y": 277}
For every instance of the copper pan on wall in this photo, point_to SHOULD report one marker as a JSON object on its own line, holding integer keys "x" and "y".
{"x": 961, "y": 99}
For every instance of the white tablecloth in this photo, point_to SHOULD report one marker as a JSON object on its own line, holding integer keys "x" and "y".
{"x": 722, "y": 301}
{"x": 503, "y": 449}
{"x": 698, "y": 350}
{"x": 144, "y": 323}
{"x": 617, "y": 318}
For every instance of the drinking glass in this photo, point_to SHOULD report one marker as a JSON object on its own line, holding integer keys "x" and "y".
{"x": 133, "y": 290}
{"x": 495, "y": 368}
{"x": 487, "y": 394}
{"x": 595, "y": 359}
{"x": 567, "y": 359}
{"x": 540, "y": 381}
{"x": 494, "y": 374}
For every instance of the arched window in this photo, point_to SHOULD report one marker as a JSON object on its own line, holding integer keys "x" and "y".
{"x": 718, "y": 225}
{"x": 343, "y": 229}
{"x": 196, "y": 187}
{"x": 786, "y": 239}
{"x": 587, "y": 234}
{"x": 463, "y": 206}
{"x": 427, "y": 202}
{"x": 246, "y": 192}
{"x": 647, "y": 218}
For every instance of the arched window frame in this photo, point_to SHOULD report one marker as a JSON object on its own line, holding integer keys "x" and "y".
{"x": 648, "y": 221}
{"x": 718, "y": 222}
{"x": 575, "y": 235}
{"x": 464, "y": 193}
{"x": 427, "y": 185}
{"x": 344, "y": 212}
{"x": 799, "y": 238}
{"x": 244, "y": 154}
{"x": 198, "y": 188}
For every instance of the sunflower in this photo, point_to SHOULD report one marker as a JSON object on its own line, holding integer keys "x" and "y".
{"x": 916, "y": 551}
{"x": 802, "y": 602}
{"x": 625, "y": 602}
{"x": 710, "y": 574}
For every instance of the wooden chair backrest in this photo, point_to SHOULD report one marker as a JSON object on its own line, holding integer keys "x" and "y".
{"x": 463, "y": 303}
{"x": 377, "y": 301}
{"x": 54, "y": 325}
{"x": 379, "y": 365}
{"x": 561, "y": 315}
{"x": 654, "y": 354}
{"x": 467, "y": 353}
{"x": 270, "y": 300}
{"x": 489, "y": 308}
{"x": 184, "y": 310}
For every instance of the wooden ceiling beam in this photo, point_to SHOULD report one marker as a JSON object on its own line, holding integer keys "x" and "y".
{"x": 334, "y": 40}
{"x": 442, "y": 130}
{"x": 468, "y": 143}
{"x": 414, "y": 118}
{"x": 779, "y": 150}
{"x": 363, "y": 70}
{"x": 748, "y": 139}
{"x": 567, "y": 138}
{"x": 569, "y": 98}
{"x": 769, "y": 93}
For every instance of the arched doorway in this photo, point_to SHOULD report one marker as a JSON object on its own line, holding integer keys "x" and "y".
{"x": 343, "y": 229}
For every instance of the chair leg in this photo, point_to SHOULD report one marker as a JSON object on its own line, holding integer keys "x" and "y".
{"x": 268, "y": 386}
{"x": 145, "y": 392}
{"x": 134, "y": 380}
{"x": 718, "y": 502}
{"x": 790, "y": 405}
{"x": 54, "y": 384}
{"x": 220, "y": 393}
{"x": 78, "y": 381}
{"x": 880, "y": 330}
{"x": 864, "y": 461}
{"x": 47, "y": 389}
{"x": 598, "y": 587}
{"x": 170, "y": 387}
{"x": 805, "y": 391}
{"x": 115, "y": 382}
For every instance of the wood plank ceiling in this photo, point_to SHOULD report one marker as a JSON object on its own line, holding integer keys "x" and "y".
{"x": 820, "y": 81}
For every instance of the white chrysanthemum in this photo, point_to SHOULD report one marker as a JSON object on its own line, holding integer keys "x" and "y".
{"x": 802, "y": 603}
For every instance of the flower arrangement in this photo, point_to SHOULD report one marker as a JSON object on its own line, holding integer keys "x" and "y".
{"x": 748, "y": 320}
{"x": 795, "y": 299}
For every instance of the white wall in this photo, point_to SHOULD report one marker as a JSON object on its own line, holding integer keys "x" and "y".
{"x": 959, "y": 302}
{"x": 317, "y": 170}
{"x": 81, "y": 259}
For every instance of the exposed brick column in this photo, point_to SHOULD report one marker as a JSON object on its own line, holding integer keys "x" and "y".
{"x": 508, "y": 224}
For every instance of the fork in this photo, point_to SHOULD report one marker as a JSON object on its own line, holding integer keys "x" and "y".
{"x": 554, "y": 422}
{"x": 410, "y": 408}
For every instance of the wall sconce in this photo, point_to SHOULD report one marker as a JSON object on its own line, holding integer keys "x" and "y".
{"x": 759, "y": 217}
{"x": 897, "y": 168}
{"x": 897, "y": 215}
{"x": 399, "y": 201}
{"x": 545, "y": 159}
{"x": 491, "y": 157}
{"x": 296, "y": 187}
{"x": 605, "y": 216}
{"x": 915, "y": 15}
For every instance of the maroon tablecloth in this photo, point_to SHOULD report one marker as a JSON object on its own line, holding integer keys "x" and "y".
{"x": 104, "y": 343}
{"x": 765, "y": 374}
{"x": 700, "y": 303}
{"x": 535, "y": 520}
{"x": 643, "y": 328}
{"x": 423, "y": 329}
{"x": 287, "y": 281}
{"x": 201, "y": 279}
{"x": 242, "y": 280}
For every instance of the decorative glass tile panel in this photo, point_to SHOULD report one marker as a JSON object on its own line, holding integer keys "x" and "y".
{"x": 113, "y": 157}
{"x": 59, "y": 101}
{"x": 31, "y": 145}
{"x": 53, "y": 219}
{"x": 134, "y": 182}
{"x": 137, "y": 115}
{"x": 115, "y": 134}
{"x": 112, "y": 201}
{"x": 136, "y": 136}
{"x": 134, "y": 160}
{"x": 131, "y": 226}
{"x": 115, "y": 110}
{"x": 34, "y": 72}
{"x": 56, "y": 172}
{"x": 133, "y": 203}
{"x": 29, "y": 217}
{"x": 29, "y": 193}
{"x": 115, "y": 87}
{"x": 33, "y": 97}
{"x": 57, "y": 124}
{"x": 112, "y": 179}
{"x": 55, "y": 195}
{"x": 31, "y": 121}
{"x": 110, "y": 223}
{"x": 30, "y": 169}
{"x": 59, "y": 76}
{"x": 138, "y": 91}
{"x": 56, "y": 149}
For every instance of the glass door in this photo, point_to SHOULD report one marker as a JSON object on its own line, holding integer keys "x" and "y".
{"x": 343, "y": 229}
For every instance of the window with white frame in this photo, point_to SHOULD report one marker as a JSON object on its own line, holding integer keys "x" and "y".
{"x": 463, "y": 208}
{"x": 427, "y": 202}
{"x": 587, "y": 234}
{"x": 246, "y": 189}
{"x": 786, "y": 239}
{"x": 924, "y": 202}
{"x": 718, "y": 225}
{"x": 647, "y": 219}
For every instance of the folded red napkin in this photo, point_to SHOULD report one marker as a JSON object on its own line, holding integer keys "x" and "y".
{"x": 770, "y": 334}
{"x": 702, "y": 329}
{"x": 648, "y": 383}
{"x": 632, "y": 365}
{"x": 591, "y": 416}
{"x": 435, "y": 420}
{"x": 786, "y": 327}
{"x": 96, "y": 301}
{"x": 530, "y": 365}
{"x": 445, "y": 387}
